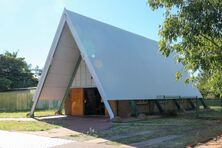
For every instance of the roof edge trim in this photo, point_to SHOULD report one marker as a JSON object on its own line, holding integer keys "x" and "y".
{"x": 85, "y": 57}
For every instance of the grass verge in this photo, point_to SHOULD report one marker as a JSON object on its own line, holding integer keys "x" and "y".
{"x": 25, "y": 126}
{"x": 22, "y": 114}
{"x": 190, "y": 130}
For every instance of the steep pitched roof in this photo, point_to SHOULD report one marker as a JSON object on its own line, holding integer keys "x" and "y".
{"x": 124, "y": 65}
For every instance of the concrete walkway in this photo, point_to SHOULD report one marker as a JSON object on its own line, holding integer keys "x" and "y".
{"x": 17, "y": 119}
{"x": 21, "y": 140}
{"x": 90, "y": 145}
{"x": 214, "y": 143}
{"x": 54, "y": 133}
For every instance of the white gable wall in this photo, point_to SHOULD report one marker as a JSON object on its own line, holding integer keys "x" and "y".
{"x": 62, "y": 66}
{"x": 83, "y": 78}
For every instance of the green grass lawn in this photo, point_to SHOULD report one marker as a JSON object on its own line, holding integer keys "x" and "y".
{"x": 25, "y": 126}
{"x": 216, "y": 113}
{"x": 22, "y": 114}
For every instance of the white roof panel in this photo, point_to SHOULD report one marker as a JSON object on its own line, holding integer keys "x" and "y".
{"x": 125, "y": 65}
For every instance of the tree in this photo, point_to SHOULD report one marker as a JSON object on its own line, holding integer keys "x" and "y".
{"x": 193, "y": 30}
{"x": 15, "y": 72}
{"x": 4, "y": 83}
{"x": 37, "y": 72}
{"x": 204, "y": 86}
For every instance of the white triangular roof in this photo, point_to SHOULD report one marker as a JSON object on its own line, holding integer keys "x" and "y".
{"x": 123, "y": 65}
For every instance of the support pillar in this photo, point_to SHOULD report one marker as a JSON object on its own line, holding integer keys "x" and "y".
{"x": 109, "y": 109}
{"x": 203, "y": 103}
{"x": 158, "y": 106}
{"x": 191, "y": 103}
{"x": 177, "y": 104}
{"x": 59, "y": 111}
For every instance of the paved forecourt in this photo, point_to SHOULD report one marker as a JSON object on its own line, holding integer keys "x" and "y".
{"x": 21, "y": 140}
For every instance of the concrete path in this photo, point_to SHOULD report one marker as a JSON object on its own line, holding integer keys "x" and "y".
{"x": 214, "y": 143}
{"x": 17, "y": 119}
{"x": 90, "y": 145}
{"x": 51, "y": 117}
{"x": 54, "y": 133}
{"x": 21, "y": 140}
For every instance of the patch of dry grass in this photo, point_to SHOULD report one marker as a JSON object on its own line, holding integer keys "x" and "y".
{"x": 23, "y": 114}
{"x": 25, "y": 126}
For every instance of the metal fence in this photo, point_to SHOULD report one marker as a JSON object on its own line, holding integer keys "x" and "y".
{"x": 213, "y": 102}
{"x": 21, "y": 100}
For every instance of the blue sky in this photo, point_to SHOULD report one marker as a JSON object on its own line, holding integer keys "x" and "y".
{"x": 30, "y": 25}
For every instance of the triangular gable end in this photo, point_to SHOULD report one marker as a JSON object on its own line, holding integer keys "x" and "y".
{"x": 124, "y": 66}
{"x": 61, "y": 67}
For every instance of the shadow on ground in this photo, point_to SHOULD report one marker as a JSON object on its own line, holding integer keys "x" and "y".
{"x": 179, "y": 131}
{"x": 80, "y": 124}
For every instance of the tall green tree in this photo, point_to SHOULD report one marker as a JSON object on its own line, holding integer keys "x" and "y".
{"x": 193, "y": 30}
{"x": 15, "y": 72}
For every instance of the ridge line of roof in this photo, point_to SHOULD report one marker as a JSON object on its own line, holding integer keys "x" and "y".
{"x": 66, "y": 11}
